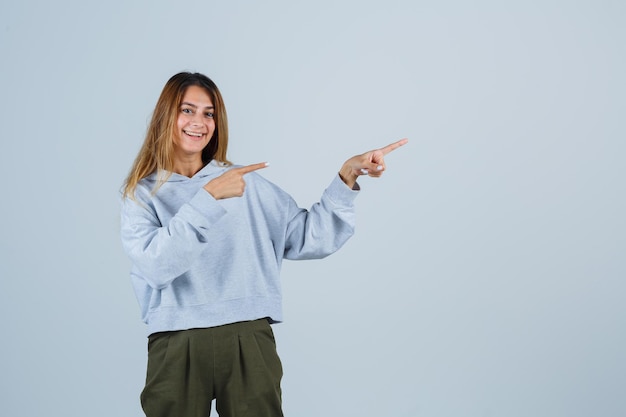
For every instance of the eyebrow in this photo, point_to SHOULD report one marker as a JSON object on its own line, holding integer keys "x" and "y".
{"x": 194, "y": 106}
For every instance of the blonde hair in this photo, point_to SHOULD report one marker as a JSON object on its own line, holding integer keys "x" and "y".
{"x": 156, "y": 153}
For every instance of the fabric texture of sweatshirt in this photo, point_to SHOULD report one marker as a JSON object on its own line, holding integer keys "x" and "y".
{"x": 199, "y": 262}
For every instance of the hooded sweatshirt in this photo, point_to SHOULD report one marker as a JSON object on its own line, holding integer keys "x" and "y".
{"x": 199, "y": 262}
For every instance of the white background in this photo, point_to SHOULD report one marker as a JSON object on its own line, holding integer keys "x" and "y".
{"x": 487, "y": 274}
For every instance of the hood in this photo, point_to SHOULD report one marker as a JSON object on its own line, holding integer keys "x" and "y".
{"x": 212, "y": 169}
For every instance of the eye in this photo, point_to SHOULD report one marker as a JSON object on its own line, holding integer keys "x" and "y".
{"x": 209, "y": 115}
{"x": 186, "y": 111}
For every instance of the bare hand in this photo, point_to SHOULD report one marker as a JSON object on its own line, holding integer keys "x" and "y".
{"x": 370, "y": 163}
{"x": 231, "y": 183}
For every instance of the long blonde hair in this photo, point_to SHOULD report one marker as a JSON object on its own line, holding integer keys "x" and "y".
{"x": 156, "y": 153}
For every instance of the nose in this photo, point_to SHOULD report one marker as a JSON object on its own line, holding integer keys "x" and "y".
{"x": 196, "y": 119}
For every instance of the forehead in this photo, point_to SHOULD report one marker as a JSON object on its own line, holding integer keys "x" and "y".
{"x": 197, "y": 96}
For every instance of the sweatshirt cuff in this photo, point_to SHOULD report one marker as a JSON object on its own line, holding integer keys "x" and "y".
{"x": 339, "y": 192}
{"x": 207, "y": 207}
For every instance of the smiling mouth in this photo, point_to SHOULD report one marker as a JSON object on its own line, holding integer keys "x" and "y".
{"x": 193, "y": 134}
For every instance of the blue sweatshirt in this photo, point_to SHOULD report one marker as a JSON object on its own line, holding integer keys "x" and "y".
{"x": 200, "y": 262}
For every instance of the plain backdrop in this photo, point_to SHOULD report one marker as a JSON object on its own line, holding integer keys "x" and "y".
{"x": 487, "y": 273}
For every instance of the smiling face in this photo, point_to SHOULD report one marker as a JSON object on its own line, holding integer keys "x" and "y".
{"x": 195, "y": 125}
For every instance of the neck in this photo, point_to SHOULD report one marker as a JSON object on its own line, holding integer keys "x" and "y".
{"x": 188, "y": 167}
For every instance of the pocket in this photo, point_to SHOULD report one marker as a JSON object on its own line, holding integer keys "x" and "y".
{"x": 156, "y": 339}
{"x": 157, "y": 352}
{"x": 266, "y": 344}
{"x": 267, "y": 330}
{"x": 168, "y": 356}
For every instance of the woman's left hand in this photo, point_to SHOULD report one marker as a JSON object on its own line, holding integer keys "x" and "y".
{"x": 370, "y": 163}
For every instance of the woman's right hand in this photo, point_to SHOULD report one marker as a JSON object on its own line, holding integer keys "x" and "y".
{"x": 231, "y": 183}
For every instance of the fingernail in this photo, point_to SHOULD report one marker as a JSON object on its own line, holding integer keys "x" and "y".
{"x": 379, "y": 168}
{"x": 267, "y": 164}
{"x": 363, "y": 171}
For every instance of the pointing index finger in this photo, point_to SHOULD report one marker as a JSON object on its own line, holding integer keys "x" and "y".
{"x": 393, "y": 146}
{"x": 253, "y": 167}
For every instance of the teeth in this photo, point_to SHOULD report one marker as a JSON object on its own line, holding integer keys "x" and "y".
{"x": 193, "y": 134}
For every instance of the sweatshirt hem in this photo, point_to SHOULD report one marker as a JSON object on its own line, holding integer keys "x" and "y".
{"x": 176, "y": 318}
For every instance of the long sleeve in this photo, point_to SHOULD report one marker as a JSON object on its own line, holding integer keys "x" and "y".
{"x": 163, "y": 253}
{"x": 323, "y": 229}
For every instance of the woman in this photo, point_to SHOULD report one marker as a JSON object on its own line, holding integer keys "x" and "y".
{"x": 206, "y": 240}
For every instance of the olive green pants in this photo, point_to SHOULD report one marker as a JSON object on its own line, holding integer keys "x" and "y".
{"x": 237, "y": 364}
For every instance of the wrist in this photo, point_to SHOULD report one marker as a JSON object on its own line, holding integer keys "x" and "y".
{"x": 347, "y": 176}
{"x": 211, "y": 191}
